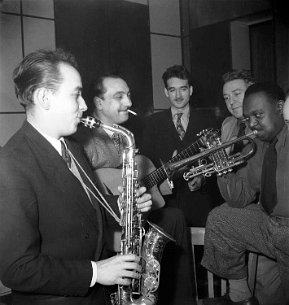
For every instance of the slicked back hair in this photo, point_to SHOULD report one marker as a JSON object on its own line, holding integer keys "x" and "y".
{"x": 98, "y": 89}
{"x": 39, "y": 69}
{"x": 177, "y": 71}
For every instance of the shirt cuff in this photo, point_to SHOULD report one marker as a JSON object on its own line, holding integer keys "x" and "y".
{"x": 94, "y": 274}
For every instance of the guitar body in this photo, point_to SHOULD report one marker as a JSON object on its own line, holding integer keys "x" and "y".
{"x": 110, "y": 178}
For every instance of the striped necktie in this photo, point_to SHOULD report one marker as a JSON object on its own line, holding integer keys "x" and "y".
{"x": 179, "y": 126}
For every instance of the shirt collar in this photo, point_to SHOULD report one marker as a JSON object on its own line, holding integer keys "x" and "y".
{"x": 54, "y": 142}
{"x": 185, "y": 111}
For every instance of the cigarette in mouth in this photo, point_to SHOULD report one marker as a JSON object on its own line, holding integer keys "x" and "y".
{"x": 132, "y": 112}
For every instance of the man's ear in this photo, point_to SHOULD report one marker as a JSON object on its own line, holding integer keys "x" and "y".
{"x": 97, "y": 101}
{"x": 191, "y": 90}
{"x": 280, "y": 106}
{"x": 166, "y": 92}
{"x": 41, "y": 97}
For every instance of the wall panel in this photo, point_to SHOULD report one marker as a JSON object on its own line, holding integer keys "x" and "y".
{"x": 39, "y": 8}
{"x": 166, "y": 51}
{"x": 9, "y": 124}
{"x": 11, "y": 6}
{"x": 19, "y": 31}
{"x": 165, "y": 17}
{"x": 38, "y": 33}
{"x": 10, "y": 56}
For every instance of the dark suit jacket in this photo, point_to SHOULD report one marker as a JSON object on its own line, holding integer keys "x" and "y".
{"x": 49, "y": 229}
{"x": 160, "y": 140}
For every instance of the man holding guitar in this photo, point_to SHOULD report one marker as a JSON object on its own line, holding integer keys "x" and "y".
{"x": 111, "y": 100}
{"x": 174, "y": 130}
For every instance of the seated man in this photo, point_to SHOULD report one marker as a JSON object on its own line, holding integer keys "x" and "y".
{"x": 235, "y": 84}
{"x": 104, "y": 150}
{"x": 232, "y": 229}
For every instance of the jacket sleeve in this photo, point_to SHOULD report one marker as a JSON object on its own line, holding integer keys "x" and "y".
{"x": 235, "y": 189}
{"x": 242, "y": 187}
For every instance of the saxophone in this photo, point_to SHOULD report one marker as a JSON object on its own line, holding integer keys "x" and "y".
{"x": 134, "y": 240}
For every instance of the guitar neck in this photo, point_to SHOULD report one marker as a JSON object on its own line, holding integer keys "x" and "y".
{"x": 159, "y": 175}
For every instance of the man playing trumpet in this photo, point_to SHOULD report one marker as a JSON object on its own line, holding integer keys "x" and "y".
{"x": 264, "y": 228}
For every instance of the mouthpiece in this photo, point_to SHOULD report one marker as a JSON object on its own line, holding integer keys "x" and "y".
{"x": 90, "y": 122}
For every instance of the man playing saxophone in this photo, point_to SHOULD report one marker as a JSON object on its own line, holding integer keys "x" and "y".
{"x": 52, "y": 244}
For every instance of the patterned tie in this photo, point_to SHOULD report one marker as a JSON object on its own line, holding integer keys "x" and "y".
{"x": 65, "y": 155}
{"x": 116, "y": 141}
{"x": 268, "y": 179}
{"x": 179, "y": 126}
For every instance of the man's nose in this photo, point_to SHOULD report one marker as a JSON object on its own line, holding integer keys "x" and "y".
{"x": 231, "y": 100}
{"x": 252, "y": 122}
{"x": 178, "y": 93}
{"x": 82, "y": 104}
{"x": 127, "y": 101}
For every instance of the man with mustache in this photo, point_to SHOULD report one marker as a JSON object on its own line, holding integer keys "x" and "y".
{"x": 263, "y": 228}
{"x": 111, "y": 100}
{"x": 172, "y": 130}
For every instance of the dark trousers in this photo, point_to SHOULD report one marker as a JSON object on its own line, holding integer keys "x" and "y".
{"x": 230, "y": 232}
{"x": 176, "y": 280}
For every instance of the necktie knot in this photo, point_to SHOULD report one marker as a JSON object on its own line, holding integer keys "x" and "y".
{"x": 65, "y": 155}
{"x": 179, "y": 126}
{"x": 179, "y": 115}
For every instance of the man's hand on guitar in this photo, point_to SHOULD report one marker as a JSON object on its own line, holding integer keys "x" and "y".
{"x": 144, "y": 200}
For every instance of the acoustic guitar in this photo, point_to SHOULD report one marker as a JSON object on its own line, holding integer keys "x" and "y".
{"x": 154, "y": 179}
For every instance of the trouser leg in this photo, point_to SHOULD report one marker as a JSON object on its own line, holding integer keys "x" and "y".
{"x": 229, "y": 233}
{"x": 176, "y": 282}
{"x": 280, "y": 240}
{"x": 268, "y": 282}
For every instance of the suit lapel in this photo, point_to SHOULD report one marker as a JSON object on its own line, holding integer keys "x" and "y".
{"x": 171, "y": 126}
{"x": 57, "y": 171}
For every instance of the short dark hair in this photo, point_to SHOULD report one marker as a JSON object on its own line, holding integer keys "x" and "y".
{"x": 272, "y": 90}
{"x": 243, "y": 74}
{"x": 39, "y": 69}
{"x": 98, "y": 89}
{"x": 176, "y": 71}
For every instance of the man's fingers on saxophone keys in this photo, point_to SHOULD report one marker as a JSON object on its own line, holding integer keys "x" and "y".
{"x": 131, "y": 269}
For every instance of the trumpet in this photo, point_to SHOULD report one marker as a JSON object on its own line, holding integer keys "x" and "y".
{"x": 215, "y": 159}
